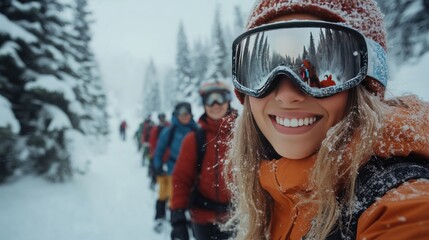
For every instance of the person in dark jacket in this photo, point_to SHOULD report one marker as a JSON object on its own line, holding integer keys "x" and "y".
{"x": 203, "y": 190}
{"x": 166, "y": 152}
{"x": 153, "y": 139}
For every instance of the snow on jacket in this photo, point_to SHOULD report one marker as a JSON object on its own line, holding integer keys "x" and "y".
{"x": 180, "y": 132}
{"x": 402, "y": 213}
{"x": 211, "y": 182}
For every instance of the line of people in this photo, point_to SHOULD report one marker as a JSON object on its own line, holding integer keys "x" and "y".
{"x": 305, "y": 162}
{"x": 186, "y": 161}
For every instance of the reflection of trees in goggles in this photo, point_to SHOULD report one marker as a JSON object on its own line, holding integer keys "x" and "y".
{"x": 215, "y": 97}
{"x": 317, "y": 55}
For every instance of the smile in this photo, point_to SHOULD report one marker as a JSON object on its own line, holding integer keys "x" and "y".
{"x": 295, "y": 122}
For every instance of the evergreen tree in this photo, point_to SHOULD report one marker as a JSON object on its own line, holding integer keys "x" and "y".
{"x": 200, "y": 61}
{"x": 167, "y": 89}
{"x": 407, "y": 23}
{"x": 40, "y": 73}
{"x": 13, "y": 48}
{"x": 89, "y": 90}
{"x": 304, "y": 53}
{"x": 312, "y": 52}
{"x": 151, "y": 92}
{"x": 185, "y": 84}
{"x": 220, "y": 63}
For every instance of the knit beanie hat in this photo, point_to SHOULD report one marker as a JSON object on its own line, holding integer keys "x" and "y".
{"x": 362, "y": 15}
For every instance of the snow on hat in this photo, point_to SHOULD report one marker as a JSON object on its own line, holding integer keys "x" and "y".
{"x": 362, "y": 15}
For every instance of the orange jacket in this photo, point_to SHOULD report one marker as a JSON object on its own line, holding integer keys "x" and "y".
{"x": 402, "y": 213}
{"x": 211, "y": 182}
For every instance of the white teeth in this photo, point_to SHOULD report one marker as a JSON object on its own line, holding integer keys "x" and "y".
{"x": 286, "y": 122}
{"x": 294, "y": 122}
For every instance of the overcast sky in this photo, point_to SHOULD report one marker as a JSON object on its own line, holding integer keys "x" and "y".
{"x": 146, "y": 28}
{"x": 127, "y": 33}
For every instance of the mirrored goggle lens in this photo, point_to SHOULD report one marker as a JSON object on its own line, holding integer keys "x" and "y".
{"x": 182, "y": 111}
{"x": 215, "y": 97}
{"x": 316, "y": 58}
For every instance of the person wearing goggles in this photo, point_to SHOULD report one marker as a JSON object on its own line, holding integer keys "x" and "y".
{"x": 165, "y": 156}
{"x": 202, "y": 190}
{"x": 318, "y": 152}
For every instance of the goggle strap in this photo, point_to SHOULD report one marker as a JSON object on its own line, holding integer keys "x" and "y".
{"x": 377, "y": 62}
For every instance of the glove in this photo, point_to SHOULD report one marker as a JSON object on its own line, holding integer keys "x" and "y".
{"x": 179, "y": 225}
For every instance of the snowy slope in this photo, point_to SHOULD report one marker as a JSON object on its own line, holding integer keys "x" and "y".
{"x": 112, "y": 201}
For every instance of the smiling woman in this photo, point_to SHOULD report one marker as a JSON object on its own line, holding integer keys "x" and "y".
{"x": 318, "y": 153}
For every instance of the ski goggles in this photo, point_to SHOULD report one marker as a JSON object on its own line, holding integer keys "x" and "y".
{"x": 216, "y": 97}
{"x": 321, "y": 58}
{"x": 182, "y": 109}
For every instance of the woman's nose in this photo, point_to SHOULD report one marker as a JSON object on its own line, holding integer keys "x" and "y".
{"x": 287, "y": 92}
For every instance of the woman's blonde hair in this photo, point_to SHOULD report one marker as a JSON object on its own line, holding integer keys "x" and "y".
{"x": 335, "y": 170}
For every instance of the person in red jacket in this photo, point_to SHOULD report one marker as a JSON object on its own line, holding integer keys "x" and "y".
{"x": 203, "y": 190}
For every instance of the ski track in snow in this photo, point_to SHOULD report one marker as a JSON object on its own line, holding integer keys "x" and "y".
{"x": 111, "y": 202}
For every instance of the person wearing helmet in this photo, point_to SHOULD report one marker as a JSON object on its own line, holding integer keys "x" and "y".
{"x": 166, "y": 153}
{"x": 198, "y": 183}
{"x": 324, "y": 161}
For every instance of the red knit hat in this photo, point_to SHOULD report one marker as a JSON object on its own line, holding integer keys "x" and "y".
{"x": 362, "y": 15}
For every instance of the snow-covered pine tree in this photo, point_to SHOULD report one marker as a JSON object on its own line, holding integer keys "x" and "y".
{"x": 89, "y": 90}
{"x": 39, "y": 95}
{"x": 220, "y": 62}
{"x": 13, "y": 49}
{"x": 151, "y": 91}
{"x": 51, "y": 86}
{"x": 407, "y": 23}
{"x": 200, "y": 61}
{"x": 238, "y": 28}
{"x": 9, "y": 130}
{"x": 167, "y": 89}
{"x": 184, "y": 74}
{"x": 39, "y": 69}
{"x": 312, "y": 52}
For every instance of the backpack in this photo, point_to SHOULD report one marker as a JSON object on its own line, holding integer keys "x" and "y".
{"x": 197, "y": 199}
{"x": 201, "y": 144}
{"x": 376, "y": 178}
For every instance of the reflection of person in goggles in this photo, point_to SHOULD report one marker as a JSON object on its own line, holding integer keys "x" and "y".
{"x": 306, "y": 51}
{"x": 316, "y": 144}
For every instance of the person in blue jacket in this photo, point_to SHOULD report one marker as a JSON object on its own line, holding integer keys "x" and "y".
{"x": 166, "y": 152}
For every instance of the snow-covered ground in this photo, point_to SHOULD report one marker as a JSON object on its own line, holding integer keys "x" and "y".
{"x": 112, "y": 201}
